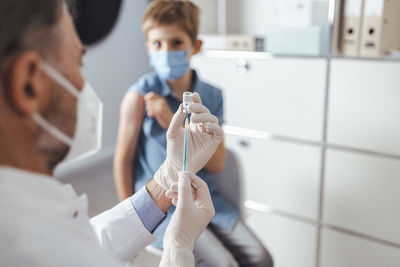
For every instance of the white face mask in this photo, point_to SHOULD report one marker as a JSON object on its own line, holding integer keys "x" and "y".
{"x": 87, "y": 138}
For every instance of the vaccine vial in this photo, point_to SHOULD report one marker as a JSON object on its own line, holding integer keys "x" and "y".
{"x": 187, "y": 99}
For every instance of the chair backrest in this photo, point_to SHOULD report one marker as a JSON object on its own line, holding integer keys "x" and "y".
{"x": 229, "y": 181}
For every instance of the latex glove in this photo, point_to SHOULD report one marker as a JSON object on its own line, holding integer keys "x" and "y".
{"x": 194, "y": 211}
{"x": 203, "y": 139}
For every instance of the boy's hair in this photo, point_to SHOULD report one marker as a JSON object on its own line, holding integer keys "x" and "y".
{"x": 163, "y": 12}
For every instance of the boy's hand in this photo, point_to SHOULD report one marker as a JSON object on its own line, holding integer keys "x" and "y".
{"x": 158, "y": 108}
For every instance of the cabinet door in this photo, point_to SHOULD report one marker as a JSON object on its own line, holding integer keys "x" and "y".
{"x": 339, "y": 249}
{"x": 364, "y": 110}
{"x": 283, "y": 176}
{"x": 281, "y": 95}
{"x": 362, "y": 194}
{"x": 291, "y": 243}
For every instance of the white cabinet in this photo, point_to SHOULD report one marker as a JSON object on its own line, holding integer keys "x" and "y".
{"x": 362, "y": 194}
{"x": 291, "y": 243}
{"x": 364, "y": 109}
{"x": 281, "y": 175}
{"x": 346, "y": 251}
{"x": 280, "y": 95}
{"x": 285, "y": 96}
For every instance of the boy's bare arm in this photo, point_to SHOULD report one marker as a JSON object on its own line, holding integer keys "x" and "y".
{"x": 131, "y": 119}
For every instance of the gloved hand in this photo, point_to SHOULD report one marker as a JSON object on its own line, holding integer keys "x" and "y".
{"x": 194, "y": 211}
{"x": 203, "y": 139}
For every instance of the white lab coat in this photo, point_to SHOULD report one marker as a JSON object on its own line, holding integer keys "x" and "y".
{"x": 44, "y": 223}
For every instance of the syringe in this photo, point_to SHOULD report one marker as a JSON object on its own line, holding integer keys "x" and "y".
{"x": 187, "y": 99}
{"x": 185, "y": 144}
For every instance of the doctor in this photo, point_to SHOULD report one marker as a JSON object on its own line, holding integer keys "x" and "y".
{"x": 49, "y": 113}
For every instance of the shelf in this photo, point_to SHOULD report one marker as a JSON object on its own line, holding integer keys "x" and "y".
{"x": 267, "y": 55}
{"x": 251, "y": 55}
{"x": 382, "y": 59}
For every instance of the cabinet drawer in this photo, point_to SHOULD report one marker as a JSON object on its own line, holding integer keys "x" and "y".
{"x": 281, "y": 95}
{"x": 343, "y": 250}
{"x": 362, "y": 194}
{"x": 364, "y": 110}
{"x": 280, "y": 175}
{"x": 291, "y": 243}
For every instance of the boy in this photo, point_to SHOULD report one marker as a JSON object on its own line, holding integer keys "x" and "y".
{"x": 171, "y": 29}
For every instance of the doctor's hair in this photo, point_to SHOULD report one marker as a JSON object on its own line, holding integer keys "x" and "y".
{"x": 165, "y": 12}
{"x": 28, "y": 25}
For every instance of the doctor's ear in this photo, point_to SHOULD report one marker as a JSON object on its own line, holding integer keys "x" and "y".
{"x": 197, "y": 46}
{"x": 26, "y": 83}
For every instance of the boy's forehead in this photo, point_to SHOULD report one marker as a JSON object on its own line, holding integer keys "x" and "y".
{"x": 166, "y": 31}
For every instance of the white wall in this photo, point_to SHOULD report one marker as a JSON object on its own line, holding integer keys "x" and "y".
{"x": 208, "y": 16}
{"x": 286, "y": 28}
{"x": 251, "y": 16}
{"x": 256, "y": 16}
{"x": 111, "y": 67}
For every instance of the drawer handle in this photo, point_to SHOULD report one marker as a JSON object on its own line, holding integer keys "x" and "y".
{"x": 244, "y": 143}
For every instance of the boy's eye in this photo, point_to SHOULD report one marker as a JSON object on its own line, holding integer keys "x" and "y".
{"x": 177, "y": 43}
{"x": 157, "y": 44}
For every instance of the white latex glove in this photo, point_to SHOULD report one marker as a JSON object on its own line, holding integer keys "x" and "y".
{"x": 194, "y": 211}
{"x": 203, "y": 139}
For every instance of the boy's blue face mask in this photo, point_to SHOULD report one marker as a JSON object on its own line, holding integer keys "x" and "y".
{"x": 170, "y": 65}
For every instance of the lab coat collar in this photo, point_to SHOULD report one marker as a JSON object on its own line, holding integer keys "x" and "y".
{"x": 22, "y": 187}
{"x": 22, "y": 175}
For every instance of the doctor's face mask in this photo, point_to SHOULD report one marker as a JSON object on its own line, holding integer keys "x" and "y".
{"x": 87, "y": 137}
